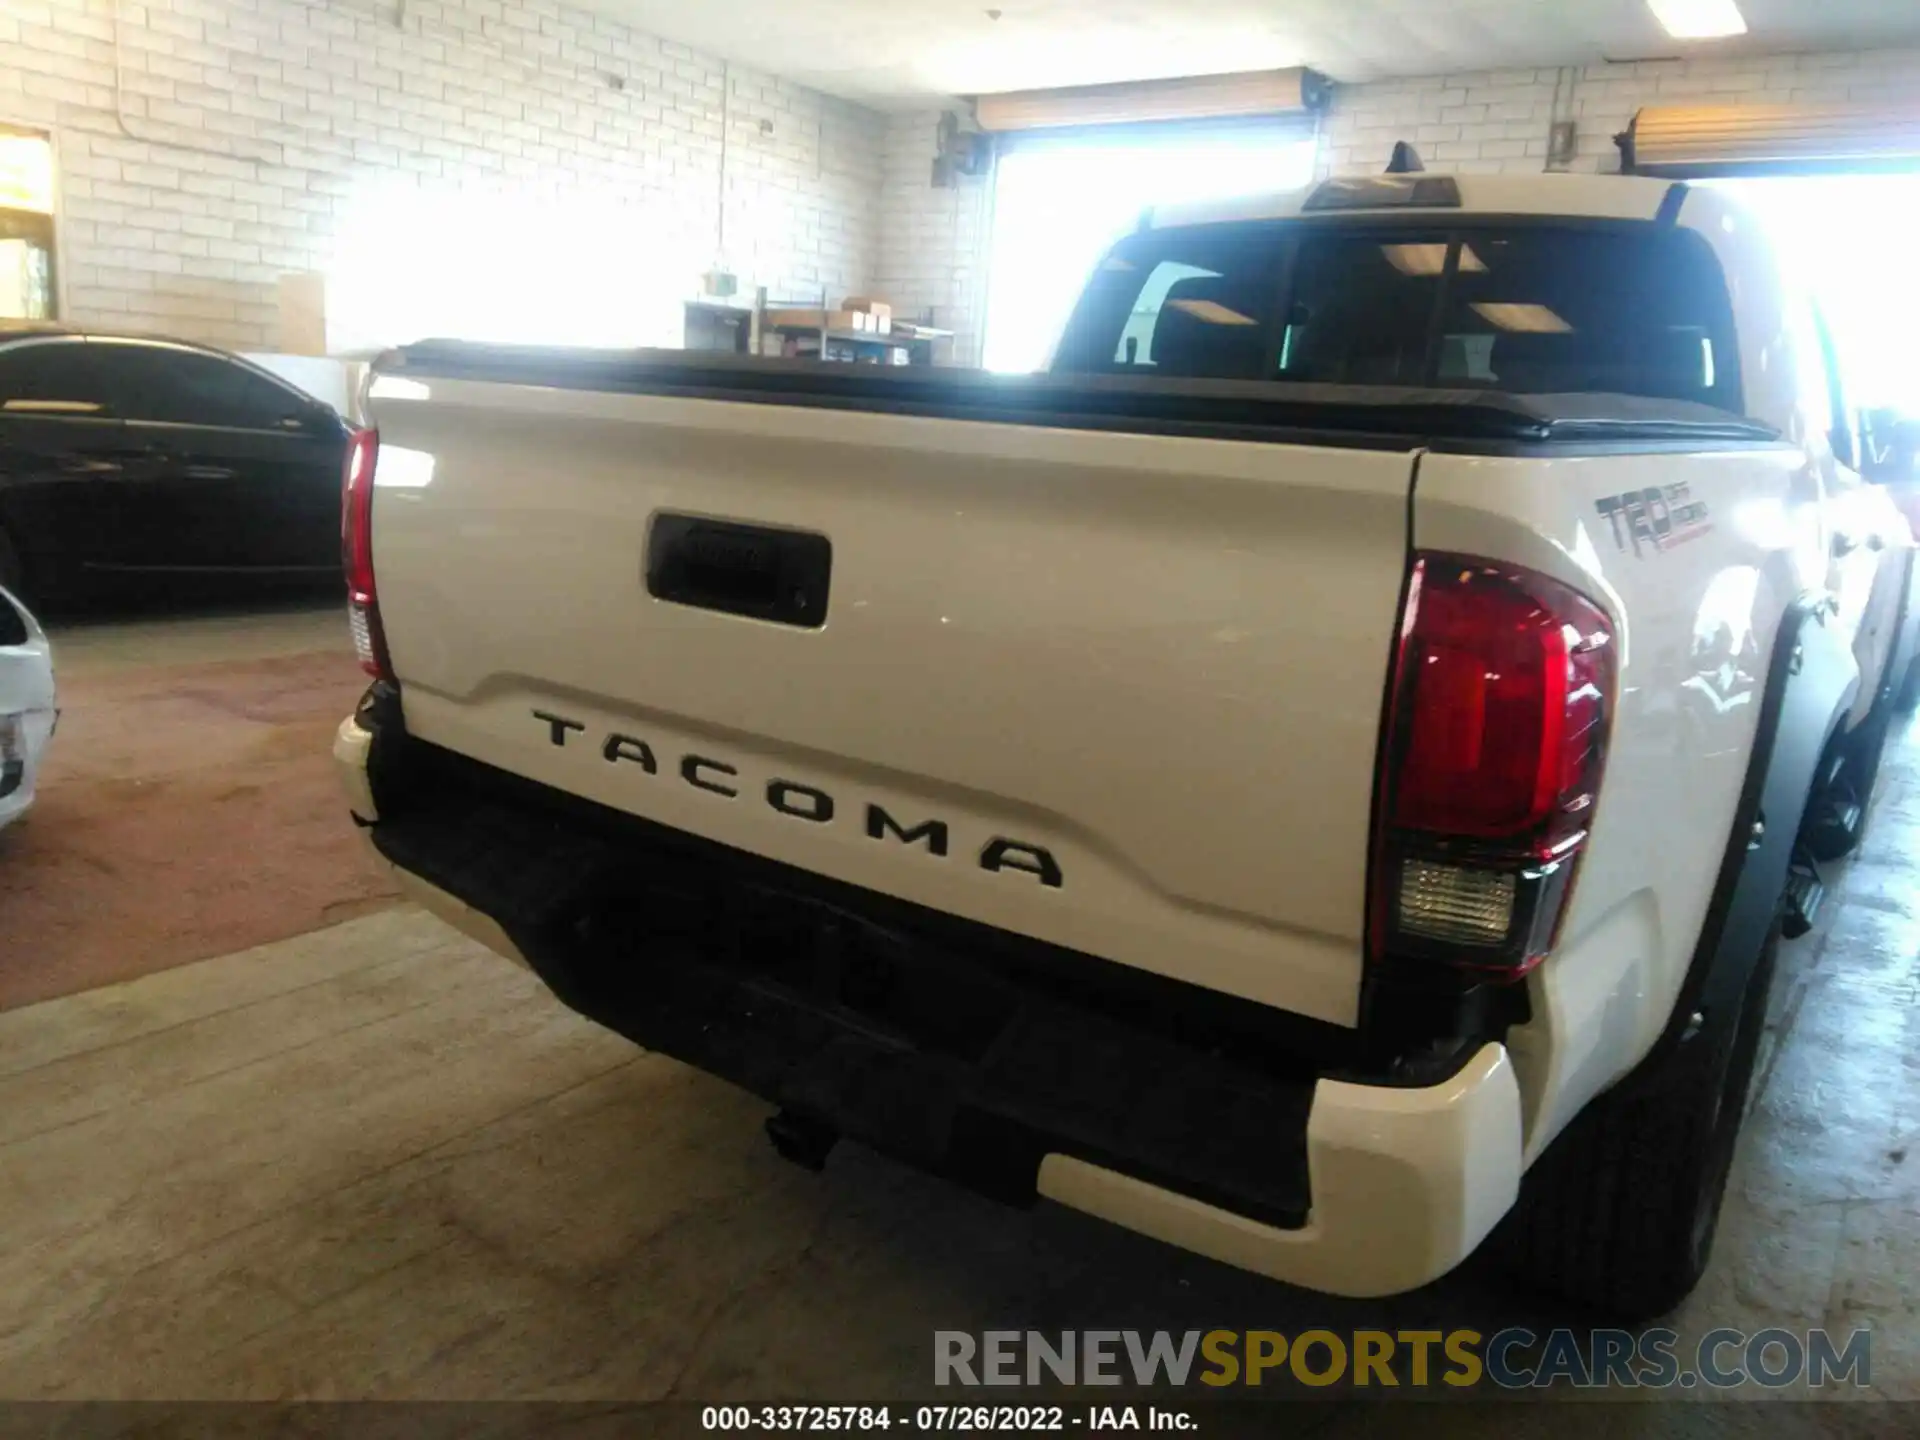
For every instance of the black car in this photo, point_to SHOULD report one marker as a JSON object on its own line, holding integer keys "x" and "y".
{"x": 130, "y": 458}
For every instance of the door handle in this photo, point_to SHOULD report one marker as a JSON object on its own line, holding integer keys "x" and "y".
{"x": 80, "y": 465}
{"x": 208, "y": 472}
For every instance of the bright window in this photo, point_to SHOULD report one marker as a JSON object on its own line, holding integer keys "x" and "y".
{"x": 1058, "y": 206}
{"x": 26, "y": 171}
{"x": 26, "y": 225}
{"x": 508, "y": 266}
{"x": 1850, "y": 237}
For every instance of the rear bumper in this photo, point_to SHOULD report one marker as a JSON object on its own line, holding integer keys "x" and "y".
{"x": 994, "y": 1066}
{"x": 1406, "y": 1184}
{"x": 18, "y": 776}
{"x": 28, "y": 714}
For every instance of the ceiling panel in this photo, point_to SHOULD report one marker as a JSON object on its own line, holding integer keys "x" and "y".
{"x": 899, "y": 52}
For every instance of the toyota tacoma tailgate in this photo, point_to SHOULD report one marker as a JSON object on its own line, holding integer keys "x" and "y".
{"x": 1116, "y": 691}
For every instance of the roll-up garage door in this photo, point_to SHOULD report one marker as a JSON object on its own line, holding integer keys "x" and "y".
{"x": 1075, "y": 168}
{"x": 1699, "y": 141}
{"x": 1254, "y": 94}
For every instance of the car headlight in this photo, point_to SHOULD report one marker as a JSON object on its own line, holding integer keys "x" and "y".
{"x": 13, "y": 753}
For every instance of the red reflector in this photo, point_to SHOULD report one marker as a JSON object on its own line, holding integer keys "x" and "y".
{"x": 356, "y": 552}
{"x": 1502, "y": 682}
{"x": 356, "y": 514}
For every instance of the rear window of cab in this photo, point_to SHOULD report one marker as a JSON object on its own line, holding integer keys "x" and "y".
{"x": 1579, "y": 308}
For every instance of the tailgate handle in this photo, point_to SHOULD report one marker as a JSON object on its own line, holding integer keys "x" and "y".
{"x": 751, "y": 570}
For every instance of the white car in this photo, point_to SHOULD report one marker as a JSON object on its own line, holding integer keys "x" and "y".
{"x": 27, "y": 709}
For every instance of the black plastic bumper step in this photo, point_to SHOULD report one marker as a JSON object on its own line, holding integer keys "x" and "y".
{"x": 1835, "y": 828}
{"x": 859, "y": 1016}
{"x": 1805, "y": 894}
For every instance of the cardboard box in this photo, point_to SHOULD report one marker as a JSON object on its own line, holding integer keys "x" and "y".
{"x": 817, "y": 319}
{"x": 303, "y": 314}
{"x": 847, "y": 319}
{"x": 880, "y": 311}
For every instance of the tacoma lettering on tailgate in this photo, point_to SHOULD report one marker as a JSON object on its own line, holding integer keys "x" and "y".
{"x": 809, "y": 803}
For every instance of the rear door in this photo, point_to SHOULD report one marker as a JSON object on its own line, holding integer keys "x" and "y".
{"x": 65, "y": 459}
{"x": 250, "y": 476}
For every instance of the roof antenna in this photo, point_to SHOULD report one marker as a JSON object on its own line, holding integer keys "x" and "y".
{"x": 1405, "y": 161}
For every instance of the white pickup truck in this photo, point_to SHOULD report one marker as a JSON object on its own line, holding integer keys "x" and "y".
{"x": 1319, "y": 777}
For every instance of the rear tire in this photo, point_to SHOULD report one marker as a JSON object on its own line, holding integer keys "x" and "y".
{"x": 1619, "y": 1215}
{"x": 1836, "y": 820}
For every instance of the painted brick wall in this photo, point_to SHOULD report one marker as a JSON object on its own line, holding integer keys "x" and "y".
{"x": 1499, "y": 120}
{"x": 265, "y": 134}
{"x": 258, "y": 133}
{"x": 933, "y": 242}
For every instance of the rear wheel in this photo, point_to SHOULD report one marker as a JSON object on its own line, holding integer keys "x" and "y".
{"x": 1837, "y": 818}
{"x": 1620, "y": 1213}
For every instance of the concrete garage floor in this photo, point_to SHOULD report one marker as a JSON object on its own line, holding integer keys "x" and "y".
{"x": 374, "y": 1161}
{"x": 187, "y": 808}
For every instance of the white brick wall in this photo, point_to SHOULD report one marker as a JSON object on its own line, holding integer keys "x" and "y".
{"x": 1499, "y": 120}
{"x": 933, "y": 243}
{"x": 260, "y": 128}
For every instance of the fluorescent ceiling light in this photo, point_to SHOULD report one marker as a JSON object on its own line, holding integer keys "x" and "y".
{"x": 1210, "y": 312}
{"x": 1416, "y": 259}
{"x": 1699, "y": 19}
{"x": 1429, "y": 259}
{"x": 1523, "y": 319}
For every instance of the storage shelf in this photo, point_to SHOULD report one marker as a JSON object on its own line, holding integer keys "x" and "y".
{"x": 856, "y": 337}
{"x": 723, "y": 318}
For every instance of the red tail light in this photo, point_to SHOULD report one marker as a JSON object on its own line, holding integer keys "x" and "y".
{"x": 356, "y": 553}
{"x": 1491, "y": 763}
